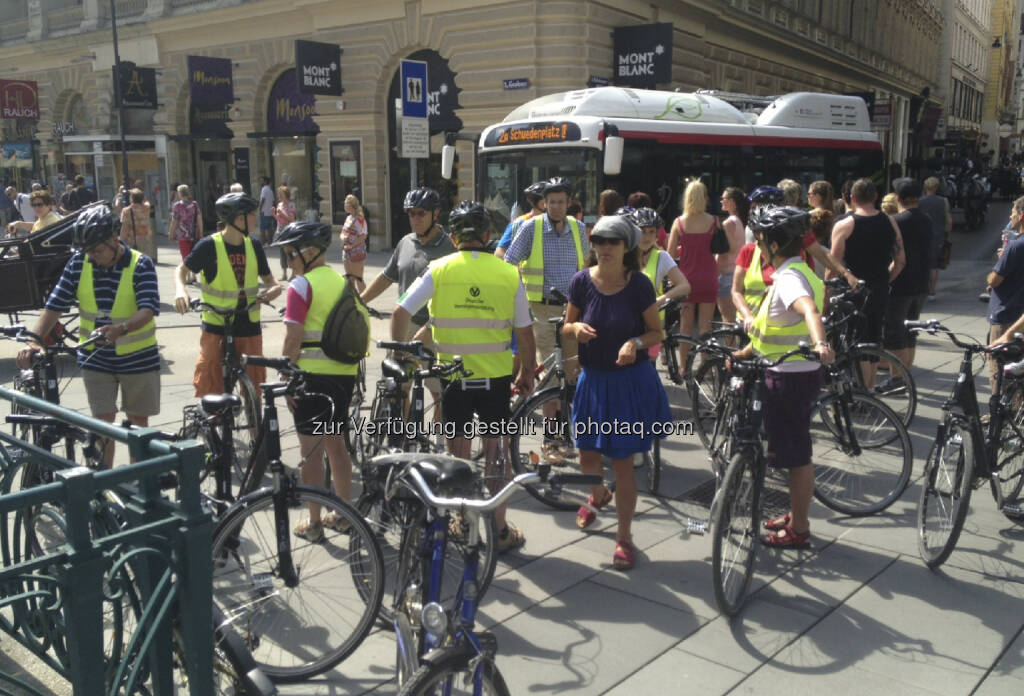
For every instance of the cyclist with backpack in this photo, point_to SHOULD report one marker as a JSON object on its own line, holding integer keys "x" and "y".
{"x": 476, "y": 302}
{"x": 321, "y": 414}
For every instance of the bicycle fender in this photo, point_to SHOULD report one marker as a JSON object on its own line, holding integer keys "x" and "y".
{"x": 463, "y": 649}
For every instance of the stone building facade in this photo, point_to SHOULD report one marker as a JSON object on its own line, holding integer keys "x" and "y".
{"x": 327, "y": 146}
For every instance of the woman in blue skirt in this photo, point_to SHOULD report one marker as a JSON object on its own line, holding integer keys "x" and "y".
{"x": 619, "y": 397}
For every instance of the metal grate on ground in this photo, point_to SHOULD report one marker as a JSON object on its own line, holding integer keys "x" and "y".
{"x": 774, "y": 497}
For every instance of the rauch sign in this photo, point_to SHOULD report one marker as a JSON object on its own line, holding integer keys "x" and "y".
{"x": 19, "y": 99}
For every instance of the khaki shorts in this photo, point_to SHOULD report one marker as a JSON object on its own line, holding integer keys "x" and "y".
{"x": 544, "y": 334}
{"x": 140, "y": 392}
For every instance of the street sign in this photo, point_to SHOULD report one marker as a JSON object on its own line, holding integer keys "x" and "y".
{"x": 516, "y": 83}
{"x": 415, "y": 138}
{"x": 414, "y": 89}
{"x": 882, "y": 116}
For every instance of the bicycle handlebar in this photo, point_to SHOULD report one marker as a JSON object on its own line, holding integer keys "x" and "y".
{"x": 414, "y": 348}
{"x": 934, "y": 326}
{"x": 197, "y": 305}
{"x": 12, "y": 331}
{"x": 412, "y": 476}
{"x": 284, "y": 365}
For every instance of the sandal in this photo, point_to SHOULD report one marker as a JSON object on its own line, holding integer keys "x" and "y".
{"x": 510, "y": 538}
{"x": 312, "y": 532}
{"x": 788, "y": 539}
{"x": 333, "y": 520}
{"x": 585, "y": 516}
{"x": 625, "y": 555}
{"x": 779, "y": 523}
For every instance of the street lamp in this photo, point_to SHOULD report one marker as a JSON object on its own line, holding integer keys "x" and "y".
{"x": 117, "y": 96}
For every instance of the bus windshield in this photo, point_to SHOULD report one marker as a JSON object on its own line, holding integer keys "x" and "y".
{"x": 504, "y": 175}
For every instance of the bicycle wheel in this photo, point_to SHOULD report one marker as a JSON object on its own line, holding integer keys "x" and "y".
{"x": 354, "y": 438}
{"x": 247, "y": 420}
{"x": 898, "y": 391}
{"x": 1010, "y": 458}
{"x": 653, "y": 461}
{"x": 388, "y": 519}
{"x": 235, "y": 672}
{"x": 539, "y": 436}
{"x": 735, "y": 520}
{"x": 719, "y": 443}
{"x": 452, "y": 673}
{"x": 302, "y": 626}
{"x": 945, "y": 493}
{"x": 862, "y": 467}
{"x": 707, "y": 387}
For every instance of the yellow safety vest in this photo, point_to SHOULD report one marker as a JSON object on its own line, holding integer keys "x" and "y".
{"x": 753, "y": 281}
{"x": 124, "y": 307}
{"x": 770, "y": 340}
{"x": 533, "y": 267}
{"x": 223, "y": 291}
{"x": 651, "y": 271}
{"x": 472, "y": 309}
{"x": 326, "y": 285}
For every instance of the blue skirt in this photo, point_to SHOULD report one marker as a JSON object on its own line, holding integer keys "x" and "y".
{"x": 619, "y": 412}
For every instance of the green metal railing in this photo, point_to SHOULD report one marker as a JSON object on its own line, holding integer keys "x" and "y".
{"x": 105, "y": 578}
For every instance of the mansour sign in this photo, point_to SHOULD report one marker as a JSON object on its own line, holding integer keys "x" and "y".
{"x": 642, "y": 55}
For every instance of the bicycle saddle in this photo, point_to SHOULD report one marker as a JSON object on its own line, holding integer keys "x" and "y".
{"x": 395, "y": 369}
{"x": 216, "y": 404}
{"x": 444, "y": 475}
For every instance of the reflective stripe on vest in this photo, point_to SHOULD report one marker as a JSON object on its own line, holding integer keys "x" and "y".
{"x": 771, "y": 340}
{"x": 471, "y": 311}
{"x": 753, "y": 281}
{"x": 124, "y": 308}
{"x": 223, "y": 291}
{"x": 533, "y": 267}
{"x": 326, "y": 284}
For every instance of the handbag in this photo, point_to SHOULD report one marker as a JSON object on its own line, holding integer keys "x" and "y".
{"x": 719, "y": 242}
{"x": 945, "y": 251}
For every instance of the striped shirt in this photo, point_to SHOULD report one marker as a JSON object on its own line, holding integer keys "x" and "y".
{"x": 105, "y": 282}
{"x": 559, "y": 252}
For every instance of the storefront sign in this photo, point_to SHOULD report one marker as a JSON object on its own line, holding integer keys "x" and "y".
{"x": 64, "y": 128}
{"x": 882, "y": 118}
{"x": 19, "y": 100}
{"x": 319, "y": 67}
{"x": 210, "y": 120}
{"x": 210, "y": 80}
{"x": 598, "y": 81}
{"x": 642, "y": 55}
{"x": 138, "y": 86}
{"x": 533, "y": 134}
{"x": 16, "y": 155}
{"x": 516, "y": 83}
{"x": 242, "y": 174}
{"x": 288, "y": 111}
{"x": 442, "y": 93}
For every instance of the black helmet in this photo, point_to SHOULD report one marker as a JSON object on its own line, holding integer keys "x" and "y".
{"x": 556, "y": 184}
{"x": 231, "y": 205}
{"x": 626, "y": 210}
{"x": 469, "y": 221}
{"x": 767, "y": 195}
{"x": 93, "y": 226}
{"x": 646, "y": 217}
{"x": 535, "y": 191}
{"x": 304, "y": 234}
{"x": 423, "y": 197}
{"x": 780, "y": 224}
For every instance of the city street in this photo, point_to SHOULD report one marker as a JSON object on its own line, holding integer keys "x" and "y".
{"x": 858, "y": 613}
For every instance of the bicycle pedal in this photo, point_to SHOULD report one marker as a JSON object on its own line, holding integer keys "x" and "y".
{"x": 488, "y": 643}
{"x": 1013, "y": 511}
{"x": 694, "y": 526}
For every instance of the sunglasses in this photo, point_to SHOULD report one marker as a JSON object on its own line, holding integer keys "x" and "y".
{"x": 598, "y": 241}
{"x": 38, "y": 205}
{"x": 417, "y": 213}
{"x": 293, "y": 254}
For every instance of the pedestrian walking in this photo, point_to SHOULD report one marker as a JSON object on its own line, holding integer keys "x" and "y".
{"x": 689, "y": 243}
{"x": 186, "y": 226}
{"x": 735, "y": 205}
{"x": 284, "y": 213}
{"x": 135, "y": 227}
{"x": 936, "y": 207}
{"x": 353, "y": 241}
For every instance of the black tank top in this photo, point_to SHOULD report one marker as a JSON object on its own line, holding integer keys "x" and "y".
{"x": 869, "y": 248}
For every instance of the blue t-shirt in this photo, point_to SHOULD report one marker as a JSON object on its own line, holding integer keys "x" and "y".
{"x": 510, "y": 232}
{"x": 1006, "y": 302}
{"x": 616, "y": 318}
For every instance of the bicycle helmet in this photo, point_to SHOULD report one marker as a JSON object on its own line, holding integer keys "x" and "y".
{"x": 557, "y": 184}
{"x": 780, "y": 224}
{"x": 535, "y": 191}
{"x": 423, "y": 197}
{"x": 766, "y": 195}
{"x": 94, "y": 226}
{"x": 646, "y": 217}
{"x": 626, "y": 210}
{"x": 469, "y": 221}
{"x": 231, "y": 205}
{"x": 304, "y": 234}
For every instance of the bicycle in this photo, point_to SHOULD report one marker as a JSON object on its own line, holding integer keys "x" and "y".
{"x": 966, "y": 452}
{"x": 387, "y": 517}
{"x": 260, "y": 574}
{"x": 438, "y": 649}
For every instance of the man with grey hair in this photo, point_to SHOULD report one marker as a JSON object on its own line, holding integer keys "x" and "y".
{"x": 236, "y": 188}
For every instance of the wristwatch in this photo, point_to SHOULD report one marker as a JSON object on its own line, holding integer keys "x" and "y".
{"x": 822, "y": 343}
{"x": 638, "y": 342}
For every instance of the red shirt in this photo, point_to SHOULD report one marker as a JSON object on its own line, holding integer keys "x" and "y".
{"x": 747, "y": 254}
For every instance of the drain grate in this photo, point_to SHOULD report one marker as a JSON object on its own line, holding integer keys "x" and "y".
{"x": 774, "y": 500}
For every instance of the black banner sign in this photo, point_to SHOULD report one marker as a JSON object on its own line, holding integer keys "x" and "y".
{"x": 533, "y": 134}
{"x": 138, "y": 86}
{"x": 242, "y": 174}
{"x": 318, "y": 67}
{"x": 642, "y": 55}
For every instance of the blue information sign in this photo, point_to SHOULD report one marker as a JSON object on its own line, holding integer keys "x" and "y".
{"x": 414, "y": 89}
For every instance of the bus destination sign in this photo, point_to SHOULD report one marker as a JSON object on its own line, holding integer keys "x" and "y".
{"x": 533, "y": 134}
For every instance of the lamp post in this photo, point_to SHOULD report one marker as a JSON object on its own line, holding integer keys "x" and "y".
{"x": 120, "y": 102}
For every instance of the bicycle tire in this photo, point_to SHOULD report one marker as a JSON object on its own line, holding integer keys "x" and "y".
{"x": 248, "y": 589}
{"x": 235, "y": 672}
{"x": 1010, "y": 455}
{"x": 902, "y": 399}
{"x": 876, "y": 478}
{"x": 719, "y": 445}
{"x": 945, "y": 493}
{"x": 453, "y": 668}
{"x": 653, "y": 459}
{"x": 530, "y": 438}
{"x": 706, "y": 388}
{"x": 246, "y": 425}
{"x": 387, "y": 519}
{"x": 735, "y": 521}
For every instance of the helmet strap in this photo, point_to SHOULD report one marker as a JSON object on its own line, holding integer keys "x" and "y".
{"x": 306, "y": 265}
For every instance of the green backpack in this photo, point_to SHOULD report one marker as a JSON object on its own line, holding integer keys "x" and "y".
{"x": 346, "y": 334}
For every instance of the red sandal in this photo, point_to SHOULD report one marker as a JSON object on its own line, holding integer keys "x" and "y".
{"x": 788, "y": 539}
{"x": 585, "y": 516}
{"x": 779, "y": 523}
{"x": 625, "y": 555}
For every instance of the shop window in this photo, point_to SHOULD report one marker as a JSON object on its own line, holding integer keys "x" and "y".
{"x": 346, "y": 176}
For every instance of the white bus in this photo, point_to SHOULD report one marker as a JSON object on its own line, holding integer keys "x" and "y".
{"x": 641, "y": 140}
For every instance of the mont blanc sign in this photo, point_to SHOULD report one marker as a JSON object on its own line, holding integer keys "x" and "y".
{"x": 318, "y": 67}
{"x": 642, "y": 55}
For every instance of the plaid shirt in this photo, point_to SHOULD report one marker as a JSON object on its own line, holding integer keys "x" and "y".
{"x": 559, "y": 252}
